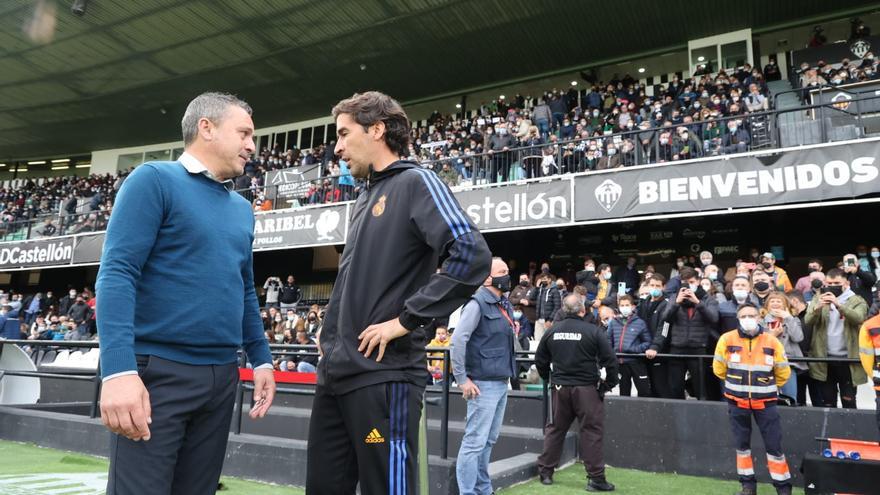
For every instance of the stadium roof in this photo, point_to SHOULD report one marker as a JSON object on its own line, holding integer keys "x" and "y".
{"x": 122, "y": 74}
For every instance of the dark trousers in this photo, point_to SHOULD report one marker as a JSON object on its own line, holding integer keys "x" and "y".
{"x": 658, "y": 370}
{"x": 368, "y": 436}
{"x": 635, "y": 371}
{"x": 805, "y": 383}
{"x": 771, "y": 431}
{"x": 191, "y": 412}
{"x": 499, "y": 163}
{"x": 583, "y": 403}
{"x": 839, "y": 379}
{"x": 678, "y": 369}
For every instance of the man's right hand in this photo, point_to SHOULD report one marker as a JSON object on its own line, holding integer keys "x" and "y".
{"x": 650, "y": 354}
{"x": 682, "y": 295}
{"x": 469, "y": 390}
{"x": 125, "y": 407}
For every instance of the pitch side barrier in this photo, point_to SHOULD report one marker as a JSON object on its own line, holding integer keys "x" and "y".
{"x": 303, "y": 383}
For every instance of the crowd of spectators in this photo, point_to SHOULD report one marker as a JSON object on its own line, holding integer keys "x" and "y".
{"x": 685, "y": 311}
{"x": 682, "y": 312}
{"x": 606, "y": 126}
{"x": 45, "y": 316}
{"x": 59, "y": 205}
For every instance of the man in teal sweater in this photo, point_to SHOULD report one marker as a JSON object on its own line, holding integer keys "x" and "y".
{"x": 177, "y": 259}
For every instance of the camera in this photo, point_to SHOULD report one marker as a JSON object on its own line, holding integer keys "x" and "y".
{"x": 816, "y": 284}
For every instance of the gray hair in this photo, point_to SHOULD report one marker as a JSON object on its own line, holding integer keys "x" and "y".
{"x": 572, "y": 304}
{"x": 211, "y": 106}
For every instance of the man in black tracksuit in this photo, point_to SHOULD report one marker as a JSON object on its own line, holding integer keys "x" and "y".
{"x": 577, "y": 350}
{"x": 652, "y": 310}
{"x": 692, "y": 316}
{"x": 371, "y": 379}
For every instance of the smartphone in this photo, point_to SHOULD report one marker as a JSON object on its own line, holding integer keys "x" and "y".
{"x": 850, "y": 262}
{"x": 621, "y": 288}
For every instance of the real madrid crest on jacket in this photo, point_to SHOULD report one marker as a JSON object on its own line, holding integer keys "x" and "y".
{"x": 421, "y": 229}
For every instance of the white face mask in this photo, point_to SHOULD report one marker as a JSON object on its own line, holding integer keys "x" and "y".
{"x": 625, "y": 311}
{"x": 749, "y": 325}
{"x": 740, "y": 295}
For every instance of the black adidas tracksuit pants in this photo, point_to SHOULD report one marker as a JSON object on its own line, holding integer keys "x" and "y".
{"x": 367, "y": 436}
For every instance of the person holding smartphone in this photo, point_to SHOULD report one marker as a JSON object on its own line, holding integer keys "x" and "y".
{"x": 860, "y": 280}
{"x": 692, "y": 316}
{"x": 835, "y": 315}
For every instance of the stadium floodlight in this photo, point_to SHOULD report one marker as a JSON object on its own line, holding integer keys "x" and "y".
{"x": 84, "y": 165}
{"x": 79, "y": 7}
{"x": 701, "y": 58}
{"x": 38, "y": 162}
{"x": 61, "y": 167}
{"x": 458, "y": 105}
{"x": 641, "y": 70}
{"x": 63, "y": 160}
{"x": 574, "y": 83}
{"x": 2, "y": 164}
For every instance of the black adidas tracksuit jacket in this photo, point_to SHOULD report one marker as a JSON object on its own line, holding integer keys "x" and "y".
{"x": 404, "y": 223}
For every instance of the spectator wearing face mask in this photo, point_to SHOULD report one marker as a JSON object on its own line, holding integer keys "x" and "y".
{"x": 607, "y": 288}
{"x": 836, "y": 315}
{"x": 762, "y": 285}
{"x": 692, "y": 315}
{"x": 874, "y": 262}
{"x": 741, "y": 292}
{"x": 752, "y": 364}
{"x": 780, "y": 278}
{"x": 521, "y": 296}
{"x": 686, "y": 144}
{"x": 804, "y": 284}
{"x": 712, "y": 274}
{"x": 313, "y": 323}
{"x": 804, "y": 382}
{"x": 526, "y": 330}
{"x": 782, "y": 324}
{"x": 547, "y": 301}
{"x": 435, "y": 359}
{"x": 610, "y": 159}
{"x": 66, "y": 302}
{"x": 652, "y": 311}
{"x": 630, "y": 334}
{"x": 587, "y": 278}
{"x": 735, "y": 140}
{"x": 860, "y": 280}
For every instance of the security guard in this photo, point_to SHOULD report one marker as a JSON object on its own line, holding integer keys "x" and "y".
{"x": 577, "y": 350}
{"x": 752, "y": 364}
{"x": 869, "y": 352}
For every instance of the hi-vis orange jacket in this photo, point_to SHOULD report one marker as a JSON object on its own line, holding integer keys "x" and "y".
{"x": 869, "y": 349}
{"x": 752, "y": 368}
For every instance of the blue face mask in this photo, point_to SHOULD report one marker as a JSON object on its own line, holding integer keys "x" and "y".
{"x": 656, "y": 292}
{"x": 517, "y": 315}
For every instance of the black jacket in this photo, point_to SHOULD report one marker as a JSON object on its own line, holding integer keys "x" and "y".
{"x": 547, "y": 300}
{"x": 652, "y": 312}
{"x": 290, "y": 294}
{"x": 403, "y": 224}
{"x": 861, "y": 283}
{"x": 691, "y": 329}
{"x": 576, "y": 349}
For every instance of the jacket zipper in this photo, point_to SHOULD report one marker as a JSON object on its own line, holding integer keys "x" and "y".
{"x": 338, "y": 328}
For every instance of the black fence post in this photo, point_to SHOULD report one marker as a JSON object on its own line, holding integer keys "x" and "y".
{"x": 239, "y": 399}
{"x": 96, "y": 395}
{"x": 444, "y": 408}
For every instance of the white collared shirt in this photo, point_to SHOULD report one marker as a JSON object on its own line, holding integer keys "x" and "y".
{"x": 194, "y": 166}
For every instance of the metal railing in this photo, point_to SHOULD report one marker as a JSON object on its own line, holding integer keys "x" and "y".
{"x": 523, "y": 357}
{"x": 767, "y": 130}
{"x": 59, "y": 225}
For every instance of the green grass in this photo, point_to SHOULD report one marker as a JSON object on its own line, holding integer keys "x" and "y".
{"x": 573, "y": 480}
{"x": 24, "y": 459}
